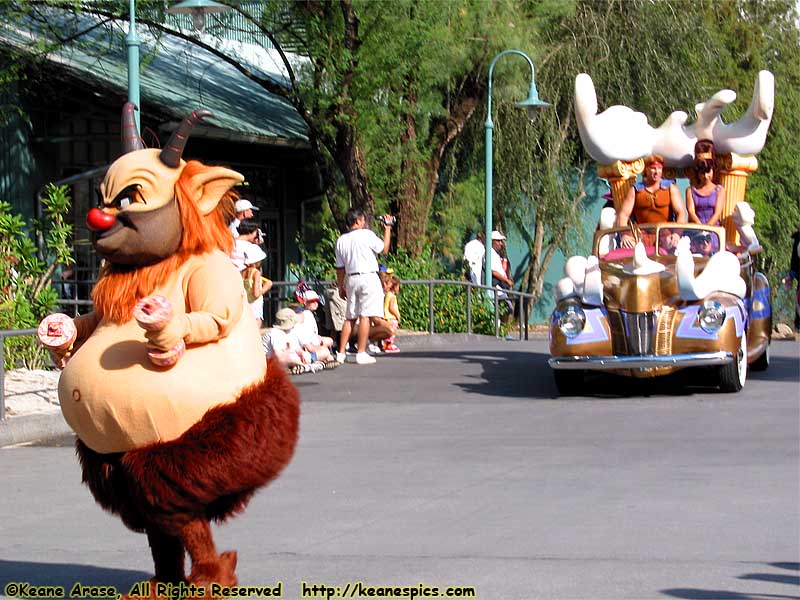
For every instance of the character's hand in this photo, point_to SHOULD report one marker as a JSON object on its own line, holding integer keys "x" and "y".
{"x": 57, "y": 333}
{"x": 170, "y": 336}
{"x": 627, "y": 241}
{"x": 163, "y": 331}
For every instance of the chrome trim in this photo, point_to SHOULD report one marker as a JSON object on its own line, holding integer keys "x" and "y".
{"x": 640, "y": 331}
{"x": 610, "y": 363}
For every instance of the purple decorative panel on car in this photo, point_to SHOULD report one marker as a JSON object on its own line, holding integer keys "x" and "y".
{"x": 689, "y": 327}
{"x": 593, "y": 331}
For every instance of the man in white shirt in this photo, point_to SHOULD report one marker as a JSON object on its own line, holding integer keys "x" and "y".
{"x": 356, "y": 260}
{"x": 244, "y": 210}
{"x": 500, "y": 278}
{"x": 499, "y": 275}
{"x": 473, "y": 256}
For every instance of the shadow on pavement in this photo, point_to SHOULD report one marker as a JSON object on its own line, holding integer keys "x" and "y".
{"x": 67, "y": 575}
{"x": 503, "y": 373}
{"x": 781, "y": 368}
{"x": 526, "y": 374}
{"x": 698, "y": 594}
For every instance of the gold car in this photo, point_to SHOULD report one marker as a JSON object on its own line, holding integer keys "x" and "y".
{"x": 678, "y": 298}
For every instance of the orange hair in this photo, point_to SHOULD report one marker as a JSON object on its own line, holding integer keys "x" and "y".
{"x": 653, "y": 158}
{"x": 120, "y": 287}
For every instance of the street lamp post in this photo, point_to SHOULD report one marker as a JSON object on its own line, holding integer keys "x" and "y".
{"x": 198, "y": 9}
{"x": 532, "y": 103}
{"x": 133, "y": 43}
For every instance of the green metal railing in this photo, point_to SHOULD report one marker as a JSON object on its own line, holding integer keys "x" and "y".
{"x": 274, "y": 299}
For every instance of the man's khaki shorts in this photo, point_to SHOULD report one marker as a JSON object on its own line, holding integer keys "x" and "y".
{"x": 364, "y": 296}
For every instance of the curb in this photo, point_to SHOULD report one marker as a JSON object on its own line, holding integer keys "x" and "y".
{"x": 439, "y": 339}
{"x": 31, "y": 428}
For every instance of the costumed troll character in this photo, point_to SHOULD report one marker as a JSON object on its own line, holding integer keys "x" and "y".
{"x": 180, "y": 423}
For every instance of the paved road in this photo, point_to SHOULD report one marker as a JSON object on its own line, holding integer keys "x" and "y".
{"x": 455, "y": 465}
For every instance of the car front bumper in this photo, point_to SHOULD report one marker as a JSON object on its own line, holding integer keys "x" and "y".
{"x": 612, "y": 363}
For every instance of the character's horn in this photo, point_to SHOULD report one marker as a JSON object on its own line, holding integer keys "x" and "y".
{"x": 171, "y": 154}
{"x": 131, "y": 140}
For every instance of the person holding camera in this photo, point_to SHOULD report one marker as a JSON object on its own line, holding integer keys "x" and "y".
{"x": 357, "y": 279}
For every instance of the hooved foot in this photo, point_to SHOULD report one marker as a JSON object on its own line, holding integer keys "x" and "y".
{"x": 221, "y": 571}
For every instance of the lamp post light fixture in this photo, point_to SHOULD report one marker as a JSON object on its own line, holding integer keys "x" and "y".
{"x": 198, "y": 9}
{"x": 531, "y": 104}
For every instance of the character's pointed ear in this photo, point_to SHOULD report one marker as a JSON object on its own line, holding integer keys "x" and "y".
{"x": 209, "y": 185}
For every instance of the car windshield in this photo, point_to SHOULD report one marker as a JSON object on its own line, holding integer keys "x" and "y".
{"x": 659, "y": 240}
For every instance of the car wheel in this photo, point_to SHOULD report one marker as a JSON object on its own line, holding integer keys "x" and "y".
{"x": 733, "y": 375}
{"x": 762, "y": 362}
{"x": 568, "y": 382}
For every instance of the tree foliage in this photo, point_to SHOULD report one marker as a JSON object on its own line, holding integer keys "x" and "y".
{"x": 26, "y": 293}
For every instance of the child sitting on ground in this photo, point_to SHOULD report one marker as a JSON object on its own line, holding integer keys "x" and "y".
{"x": 307, "y": 330}
{"x": 391, "y": 312}
{"x": 281, "y": 343}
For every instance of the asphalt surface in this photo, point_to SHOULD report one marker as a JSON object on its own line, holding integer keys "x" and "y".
{"x": 457, "y": 465}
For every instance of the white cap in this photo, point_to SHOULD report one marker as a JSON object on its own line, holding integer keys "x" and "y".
{"x": 243, "y": 205}
{"x": 496, "y": 235}
{"x": 310, "y": 296}
{"x": 253, "y": 254}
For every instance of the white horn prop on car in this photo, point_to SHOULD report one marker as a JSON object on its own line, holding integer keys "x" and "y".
{"x": 618, "y": 133}
{"x": 721, "y": 274}
{"x": 642, "y": 265}
{"x": 744, "y": 217}
{"x": 592, "y": 283}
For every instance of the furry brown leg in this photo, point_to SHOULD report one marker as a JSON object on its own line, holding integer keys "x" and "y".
{"x": 207, "y": 566}
{"x": 168, "y": 556}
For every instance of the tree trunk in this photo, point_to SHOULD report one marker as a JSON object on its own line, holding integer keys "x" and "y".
{"x": 350, "y": 159}
{"x": 418, "y": 189}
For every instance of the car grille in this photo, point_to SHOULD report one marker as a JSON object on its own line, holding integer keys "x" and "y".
{"x": 633, "y": 333}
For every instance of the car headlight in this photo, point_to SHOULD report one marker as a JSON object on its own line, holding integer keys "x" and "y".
{"x": 571, "y": 320}
{"x": 711, "y": 316}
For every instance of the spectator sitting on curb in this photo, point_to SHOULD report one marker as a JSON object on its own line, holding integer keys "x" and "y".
{"x": 281, "y": 343}
{"x": 307, "y": 330}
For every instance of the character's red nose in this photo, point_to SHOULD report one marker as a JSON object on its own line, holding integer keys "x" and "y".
{"x": 97, "y": 220}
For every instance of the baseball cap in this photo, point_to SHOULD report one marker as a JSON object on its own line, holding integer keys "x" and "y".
{"x": 243, "y": 205}
{"x": 285, "y": 319}
{"x": 310, "y": 296}
{"x": 496, "y": 235}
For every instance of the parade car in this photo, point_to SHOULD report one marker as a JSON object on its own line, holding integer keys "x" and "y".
{"x": 678, "y": 298}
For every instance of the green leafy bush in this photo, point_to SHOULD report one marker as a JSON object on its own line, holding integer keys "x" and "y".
{"x": 26, "y": 294}
{"x": 449, "y": 301}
